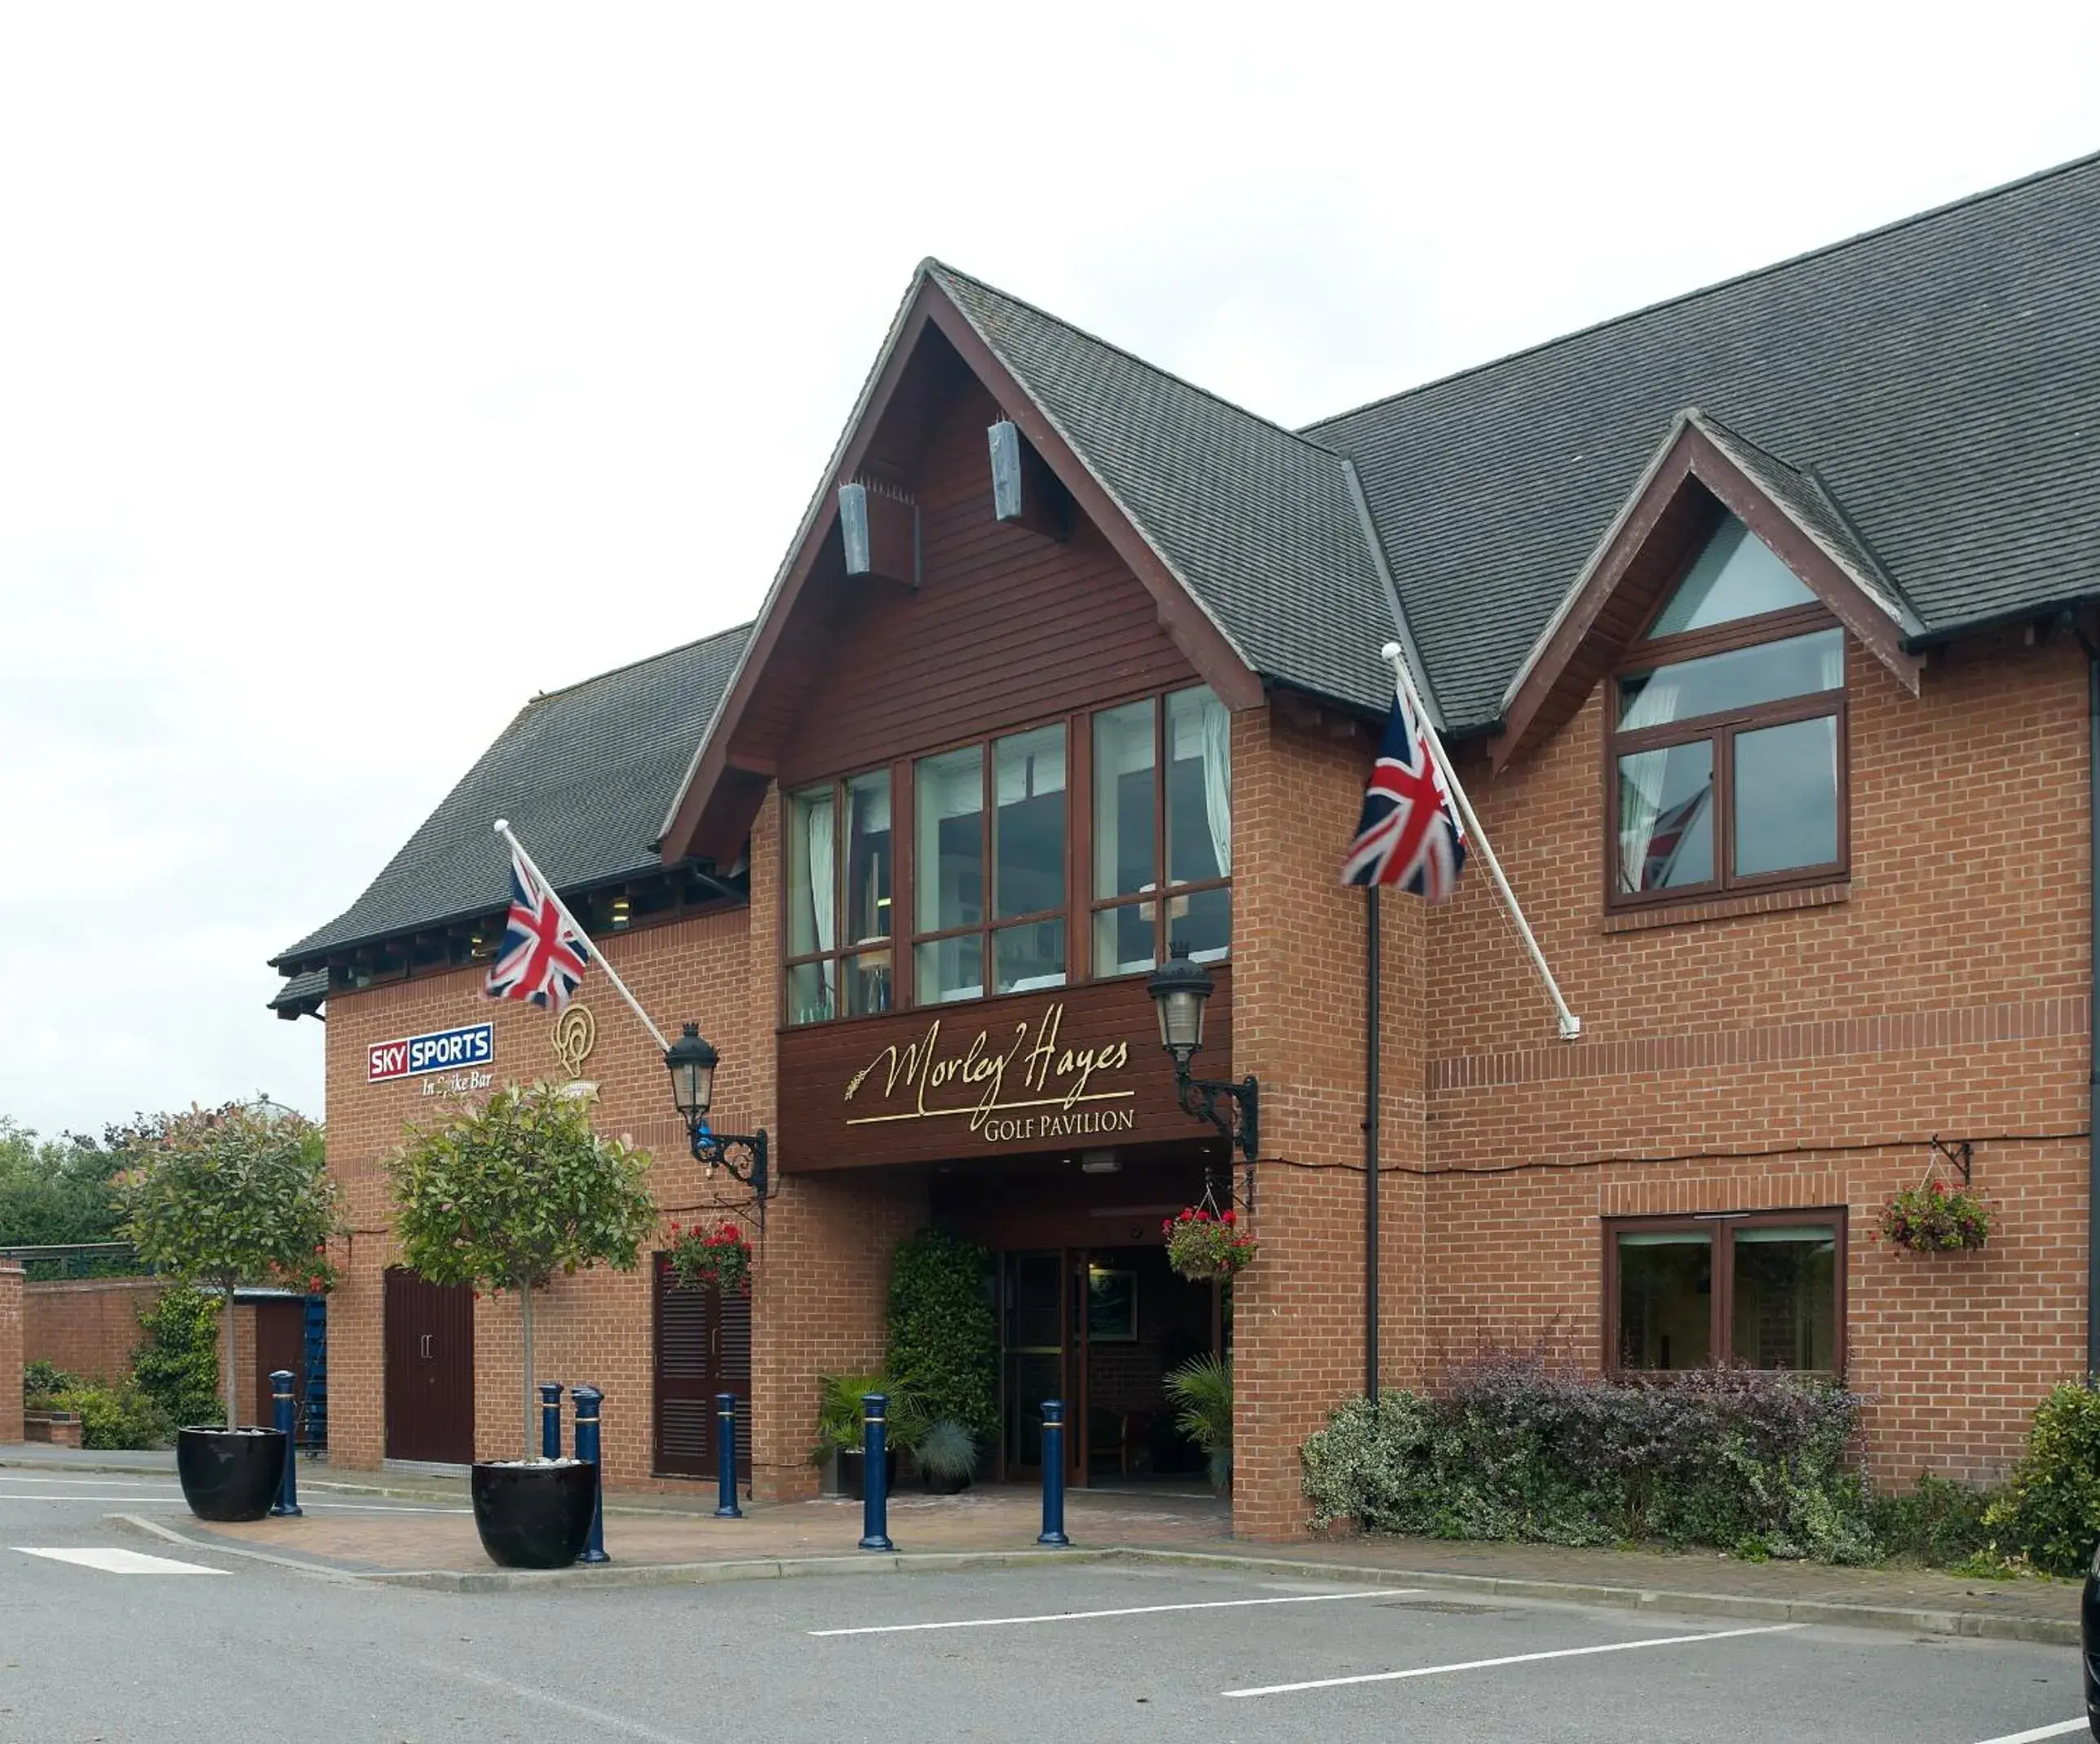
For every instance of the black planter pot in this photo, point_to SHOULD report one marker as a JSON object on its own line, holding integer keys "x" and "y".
{"x": 945, "y": 1485}
{"x": 852, "y": 1472}
{"x": 230, "y": 1474}
{"x": 533, "y": 1517}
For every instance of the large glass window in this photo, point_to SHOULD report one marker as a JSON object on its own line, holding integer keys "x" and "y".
{"x": 1760, "y": 1290}
{"x": 1162, "y": 794}
{"x": 1727, "y": 758}
{"x": 838, "y": 902}
{"x": 1004, "y": 877}
{"x": 997, "y": 820}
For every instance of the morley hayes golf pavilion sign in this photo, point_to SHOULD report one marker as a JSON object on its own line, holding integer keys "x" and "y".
{"x": 1013, "y": 1074}
{"x": 1025, "y": 1084}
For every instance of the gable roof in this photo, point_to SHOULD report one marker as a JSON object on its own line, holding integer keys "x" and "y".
{"x": 583, "y": 775}
{"x": 1259, "y": 523}
{"x": 1940, "y": 377}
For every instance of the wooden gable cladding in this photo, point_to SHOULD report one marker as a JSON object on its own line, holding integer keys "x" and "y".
{"x": 1005, "y": 628}
{"x": 1074, "y": 1067}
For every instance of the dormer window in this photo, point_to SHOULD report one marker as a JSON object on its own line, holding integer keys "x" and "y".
{"x": 1726, "y": 770}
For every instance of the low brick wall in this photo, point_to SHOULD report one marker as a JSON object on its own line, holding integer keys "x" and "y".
{"x": 10, "y": 1354}
{"x": 88, "y": 1326}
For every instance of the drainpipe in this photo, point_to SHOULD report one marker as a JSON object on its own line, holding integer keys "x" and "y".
{"x": 2092, "y": 956}
{"x": 1371, "y": 1026}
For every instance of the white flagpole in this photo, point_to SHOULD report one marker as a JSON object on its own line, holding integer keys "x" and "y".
{"x": 598, "y": 956}
{"x": 1570, "y": 1025}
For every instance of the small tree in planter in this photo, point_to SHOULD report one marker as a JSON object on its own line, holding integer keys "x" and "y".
{"x": 508, "y": 1196}
{"x": 220, "y": 1197}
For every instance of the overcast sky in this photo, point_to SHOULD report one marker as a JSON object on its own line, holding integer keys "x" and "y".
{"x": 364, "y": 371}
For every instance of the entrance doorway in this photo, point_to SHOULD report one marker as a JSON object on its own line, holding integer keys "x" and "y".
{"x": 429, "y": 1340}
{"x": 703, "y": 1347}
{"x": 1099, "y": 1328}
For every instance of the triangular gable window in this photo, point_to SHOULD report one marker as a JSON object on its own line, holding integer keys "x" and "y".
{"x": 1727, "y": 770}
{"x": 1737, "y": 575}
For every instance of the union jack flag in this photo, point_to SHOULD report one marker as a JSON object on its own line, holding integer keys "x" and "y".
{"x": 1409, "y": 834}
{"x": 542, "y": 957}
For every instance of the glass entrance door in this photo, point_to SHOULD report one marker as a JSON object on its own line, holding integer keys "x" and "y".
{"x": 1035, "y": 1313}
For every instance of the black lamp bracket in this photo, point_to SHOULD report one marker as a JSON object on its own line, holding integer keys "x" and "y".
{"x": 1234, "y": 1109}
{"x": 1961, "y": 1156}
{"x": 742, "y": 1155}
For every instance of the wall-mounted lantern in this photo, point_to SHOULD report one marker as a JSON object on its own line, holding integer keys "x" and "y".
{"x": 691, "y": 1059}
{"x": 1180, "y": 989}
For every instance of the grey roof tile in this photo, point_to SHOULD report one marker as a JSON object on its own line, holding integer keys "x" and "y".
{"x": 1940, "y": 377}
{"x": 582, "y": 774}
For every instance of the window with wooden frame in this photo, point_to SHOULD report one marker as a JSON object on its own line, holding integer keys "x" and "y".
{"x": 1762, "y": 1289}
{"x": 1011, "y": 859}
{"x": 989, "y": 863}
{"x": 1725, "y": 766}
{"x": 840, "y": 866}
{"x": 1162, "y": 775}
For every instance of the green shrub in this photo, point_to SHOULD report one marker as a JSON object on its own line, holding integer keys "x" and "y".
{"x": 1939, "y": 1524}
{"x": 2050, "y": 1510}
{"x": 1750, "y": 1461}
{"x": 177, "y": 1364}
{"x": 40, "y": 1379}
{"x": 122, "y": 1416}
{"x": 942, "y": 1331}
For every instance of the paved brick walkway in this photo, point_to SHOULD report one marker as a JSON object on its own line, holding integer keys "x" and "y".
{"x": 644, "y": 1530}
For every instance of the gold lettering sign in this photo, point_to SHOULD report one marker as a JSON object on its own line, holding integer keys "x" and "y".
{"x": 575, "y": 1035}
{"x": 1031, "y": 1087}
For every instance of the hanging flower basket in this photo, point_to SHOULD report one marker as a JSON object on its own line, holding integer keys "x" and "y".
{"x": 1203, "y": 1244}
{"x": 1930, "y": 1219}
{"x": 716, "y": 1259}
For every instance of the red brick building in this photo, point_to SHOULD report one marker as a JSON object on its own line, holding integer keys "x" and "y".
{"x": 1757, "y": 624}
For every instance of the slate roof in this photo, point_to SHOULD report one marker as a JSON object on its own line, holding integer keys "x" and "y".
{"x": 301, "y": 993}
{"x": 582, "y": 774}
{"x": 1259, "y": 523}
{"x": 1939, "y": 376}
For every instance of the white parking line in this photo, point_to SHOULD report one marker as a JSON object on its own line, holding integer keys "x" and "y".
{"x": 122, "y": 1561}
{"x": 2040, "y": 1733}
{"x": 1482, "y": 1664}
{"x": 26, "y": 1496}
{"x": 1128, "y": 1610}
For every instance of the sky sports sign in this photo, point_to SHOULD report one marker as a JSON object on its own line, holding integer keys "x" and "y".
{"x": 440, "y": 1051}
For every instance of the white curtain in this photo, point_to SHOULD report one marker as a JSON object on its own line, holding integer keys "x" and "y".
{"x": 824, "y": 873}
{"x": 1217, "y": 782}
{"x": 1641, "y": 778}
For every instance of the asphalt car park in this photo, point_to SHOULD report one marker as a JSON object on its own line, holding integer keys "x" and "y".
{"x": 107, "y": 1636}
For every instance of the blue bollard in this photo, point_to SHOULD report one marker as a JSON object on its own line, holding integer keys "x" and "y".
{"x": 875, "y": 1472}
{"x": 587, "y": 1400}
{"x": 550, "y": 1419}
{"x": 725, "y": 1458}
{"x": 1052, "y": 1532}
{"x": 282, "y": 1412}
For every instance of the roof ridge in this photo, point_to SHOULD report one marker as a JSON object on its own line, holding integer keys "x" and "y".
{"x": 1822, "y": 249}
{"x": 933, "y": 263}
{"x": 614, "y": 672}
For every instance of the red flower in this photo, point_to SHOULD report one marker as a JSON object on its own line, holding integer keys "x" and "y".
{"x": 729, "y": 1232}
{"x": 1937, "y": 1188}
{"x": 1230, "y": 1217}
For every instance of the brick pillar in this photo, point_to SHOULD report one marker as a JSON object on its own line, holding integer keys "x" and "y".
{"x": 1299, "y": 948}
{"x": 10, "y": 1354}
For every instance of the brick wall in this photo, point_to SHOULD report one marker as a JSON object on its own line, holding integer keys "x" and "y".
{"x": 12, "y": 1359}
{"x": 88, "y": 1326}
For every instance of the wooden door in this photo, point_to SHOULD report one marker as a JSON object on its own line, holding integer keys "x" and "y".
{"x": 703, "y": 1347}
{"x": 281, "y": 1343}
{"x": 430, "y": 1369}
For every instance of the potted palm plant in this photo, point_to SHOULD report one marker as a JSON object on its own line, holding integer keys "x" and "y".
{"x": 840, "y": 1417}
{"x": 509, "y": 1196}
{"x": 1201, "y": 1390}
{"x": 221, "y": 1197}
